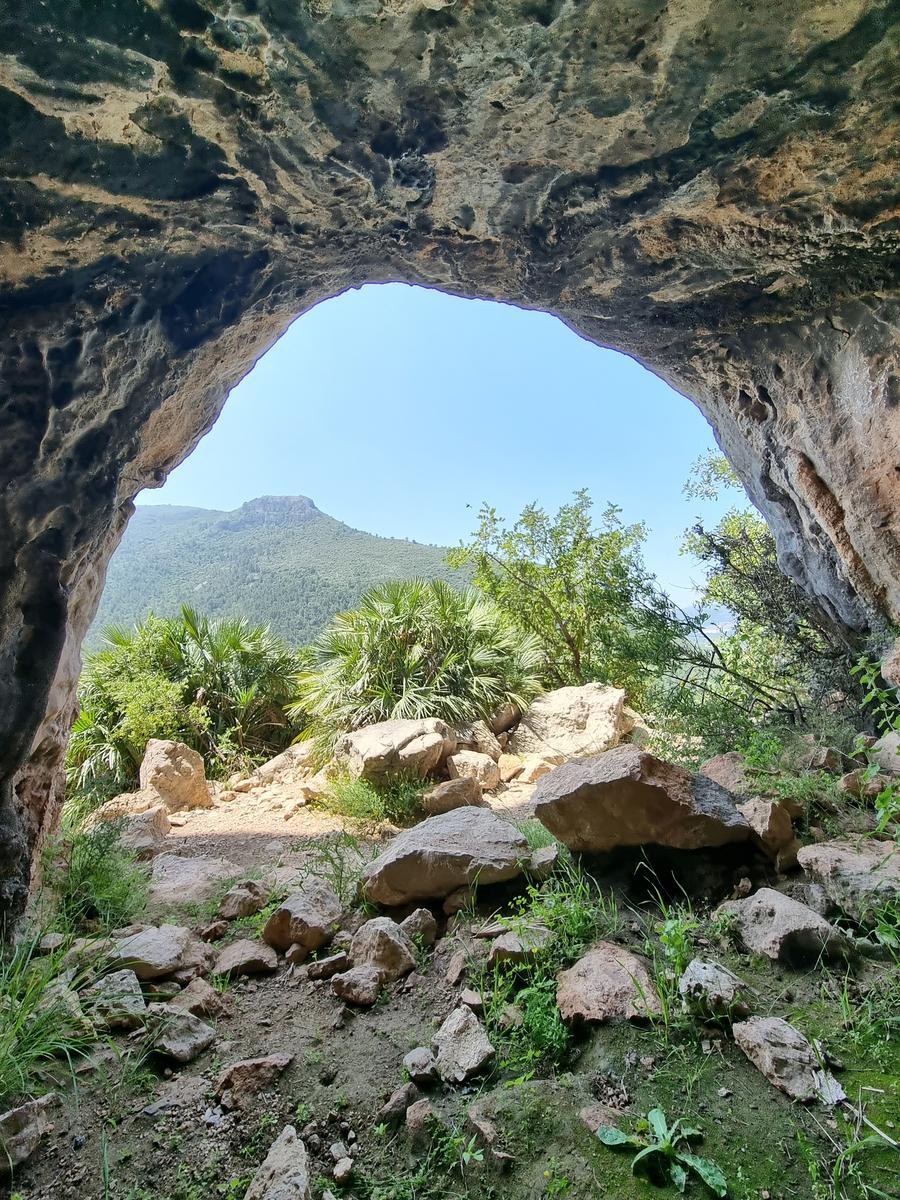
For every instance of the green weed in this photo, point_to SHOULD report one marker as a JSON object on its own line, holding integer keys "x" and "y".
{"x": 664, "y": 1152}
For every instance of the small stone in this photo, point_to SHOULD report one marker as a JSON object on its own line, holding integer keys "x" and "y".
{"x": 202, "y": 1000}
{"x": 284, "y": 1175}
{"x": 462, "y": 1048}
{"x": 420, "y": 1066}
{"x": 245, "y": 957}
{"x": 471, "y": 999}
{"x": 787, "y": 1059}
{"x": 456, "y": 968}
{"x": 543, "y": 862}
{"x": 394, "y": 1109}
{"x": 360, "y": 985}
{"x": 420, "y": 1117}
{"x": 337, "y": 1150}
{"x": 116, "y": 1001}
{"x": 773, "y": 924}
{"x": 243, "y": 900}
{"x": 342, "y": 1170}
{"x": 454, "y": 793}
{"x": 178, "y": 1034}
{"x": 324, "y": 968}
{"x": 21, "y": 1131}
{"x": 214, "y": 931}
{"x": 240, "y": 1081}
{"x": 421, "y": 925}
{"x": 712, "y": 991}
{"x": 607, "y": 983}
{"x": 310, "y": 918}
{"x": 523, "y": 944}
{"x": 383, "y": 944}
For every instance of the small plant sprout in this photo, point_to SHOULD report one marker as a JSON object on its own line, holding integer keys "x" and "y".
{"x": 666, "y": 1155}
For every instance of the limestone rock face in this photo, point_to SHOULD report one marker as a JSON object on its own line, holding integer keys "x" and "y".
{"x": 858, "y": 875}
{"x": 176, "y": 774}
{"x": 710, "y": 191}
{"x": 445, "y": 853}
{"x": 572, "y": 722}
{"x": 393, "y": 748}
{"x": 627, "y": 797}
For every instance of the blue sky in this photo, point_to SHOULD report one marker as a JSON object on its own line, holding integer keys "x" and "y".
{"x": 395, "y": 408}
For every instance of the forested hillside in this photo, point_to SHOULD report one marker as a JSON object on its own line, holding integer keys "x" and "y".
{"x": 277, "y": 558}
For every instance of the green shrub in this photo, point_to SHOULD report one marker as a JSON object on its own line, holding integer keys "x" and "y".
{"x": 416, "y": 649}
{"x": 93, "y": 879}
{"x": 368, "y": 805}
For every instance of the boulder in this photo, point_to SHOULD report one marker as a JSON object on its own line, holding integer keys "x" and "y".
{"x": 308, "y": 918}
{"x": 787, "y": 1059}
{"x": 178, "y": 881}
{"x": 240, "y": 1081}
{"x": 461, "y": 1047}
{"x": 421, "y": 925}
{"x": 360, "y": 985}
{"x": 395, "y": 748}
{"x": 772, "y": 830}
{"x": 471, "y": 764}
{"x": 773, "y": 924}
{"x": 21, "y": 1131}
{"x": 383, "y": 944}
{"x": 284, "y": 1174}
{"x": 523, "y": 944}
{"x": 510, "y": 766}
{"x": 201, "y": 999}
{"x": 729, "y": 771}
{"x": 886, "y": 754}
{"x": 161, "y": 950}
{"x": 460, "y": 792}
{"x": 478, "y": 736}
{"x": 503, "y": 719}
{"x": 243, "y": 900}
{"x": 443, "y": 854}
{"x": 177, "y": 1034}
{"x": 245, "y": 957}
{"x": 627, "y": 797}
{"x": 175, "y": 773}
{"x": 608, "y": 983}
{"x": 144, "y": 834}
{"x": 116, "y": 1001}
{"x": 712, "y": 992}
{"x": 859, "y": 876}
{"x": 572, "y": 722}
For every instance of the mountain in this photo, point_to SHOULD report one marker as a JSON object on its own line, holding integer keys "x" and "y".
{"x": 277, "y": 560}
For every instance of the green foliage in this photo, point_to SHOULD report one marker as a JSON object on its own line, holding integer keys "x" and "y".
{"x": 219, "y": 686}
{"x": 366, "y": 804}
{"x": 664, "y": 1152}
{"x": 277, "y": 557}
{"x": 37, "y": 1028}
{"x": 93, "y": 879}
{"x": 416, "y": 649}
{"x": 339, "y": 861}
{"x": 582, "y": 591}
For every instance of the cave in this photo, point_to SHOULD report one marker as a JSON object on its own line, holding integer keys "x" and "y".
{"x": 706, "y": 185}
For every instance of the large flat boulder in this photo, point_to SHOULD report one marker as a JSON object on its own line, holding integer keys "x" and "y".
{"x": 627, "y": 797}
{"x": 395, "y": 748}
{"x": 859, "y": 876}
{"x": 175, "y": 773}
{"x": 787, "y": 1059}
{"x": 431, "y": 860}
{"x": 158, "y": 951}
{"x": 572, "y": 722}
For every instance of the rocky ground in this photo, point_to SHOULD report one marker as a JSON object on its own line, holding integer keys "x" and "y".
{"x": 306, "y": 1009}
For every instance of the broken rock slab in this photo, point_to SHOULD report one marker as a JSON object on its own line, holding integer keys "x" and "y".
{"x": 783, "y": 929}
{"x": 787, "y": 1059}
{"x": 116, "y": 1001}
{"x": 245, "y": 957}
{"x": 608, "y": 983}
{"x": 162, "y": 950}
{"x": 177, "y": 1034}
{"x": 284, "y": 1174}
{"x": 522, "y": 944}
{"x": 627, "y": 797}
{"x": 859, "y": 876}
{"x": 239, "y": 1082}
{"x": 444, "y": 853}
{"x": 461, "y": 1047}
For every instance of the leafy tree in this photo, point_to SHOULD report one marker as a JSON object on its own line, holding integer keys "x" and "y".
{"x": 416, "y": 649}
{"x": 581, "y": 590}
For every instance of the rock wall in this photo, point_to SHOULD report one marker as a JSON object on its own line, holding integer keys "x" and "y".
{"x": 703, "y": 184}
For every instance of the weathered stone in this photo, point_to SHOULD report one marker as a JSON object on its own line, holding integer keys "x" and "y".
{"x": 243, "y": 900}
{"x": 393, "y": 1111}
{"x": 360, "y": 985}
{"x": 342, "y": 1170}
{"x": 453, "y": 793}
{"x": 712, "y": 991}
{"x": 395, "y": 748}
{"x": 509, "y": 766}
{"x": 177, "y": 881}
{"x": 201, "y": 999}
{"x": 535, "y": 767}
{"x": 325, "y": 968}
{"x": 773, "y": 924}
{"x": 420, "y": 1066}
{"x": 606, "y": 984}
{"x": 420, "y": 925}
{"x": 245, "y": 957}
{"x": 572, "y": 722}
{"x": 728, "y": 770}
{"x": 176, "y": 774}
{"x": 444, "y": 853}
{"x": 771, "y": 829}
{"x": 787, "y": 1059}
{"x": 21, "y": 1131}
{"x": 284, "y": 1174}
{"x": 116, "y": 1001}
{"x": 383, "y": 944}
{"x": 862, "y": 785}
{"x": 523, "y": 944}
{"x": 886, "y": 754}
{"x": 458, "y": 900}
{"x": 478, "y": 736}
{"x": 543, "y": 862}
{"x": 890, "y": 665}
{"x": 461, "y": 1047}
{"x": 308, "y": 918}
{"x": 420, "y": 1119}
{"x": 859, "y": 876}
{"x": 177, "y": 1034}
{"x": 162, "y": 950}
{"x": 239, "y": 1082}
{"x": 629, "y": 202}
{"x": 627, "y": 797}
{"x": 143, "y": 822}
{"x": 471, "y": 764}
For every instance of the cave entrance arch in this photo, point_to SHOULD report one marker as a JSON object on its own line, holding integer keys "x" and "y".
{"x": 709, "y": 188}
